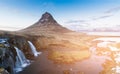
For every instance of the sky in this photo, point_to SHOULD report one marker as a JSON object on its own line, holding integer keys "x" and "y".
{"x": 74, "y": 14}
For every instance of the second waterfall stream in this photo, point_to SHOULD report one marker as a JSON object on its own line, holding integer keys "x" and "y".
{"x": 33, "y": 49}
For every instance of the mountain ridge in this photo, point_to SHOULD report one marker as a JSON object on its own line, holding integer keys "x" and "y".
{"x": 47, "y": 23}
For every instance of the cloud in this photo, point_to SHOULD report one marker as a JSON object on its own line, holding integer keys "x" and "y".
{"x": 9, "y": 27}
{"x": 76, "y": 21}
{"x": 78, "y": 24}
{"x": 109, "y": 13}
{"x": 113, "y": 10}
{"x": 96, "y": 21}
{"x": 102, "y": 17}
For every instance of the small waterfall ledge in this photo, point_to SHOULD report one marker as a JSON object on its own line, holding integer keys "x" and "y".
{"x": 33, "y": 49}
{"x": 21, "y": 61}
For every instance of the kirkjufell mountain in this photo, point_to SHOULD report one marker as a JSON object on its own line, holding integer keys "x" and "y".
{"x": 46, "y": 23}
{"x": 52, "y": 47}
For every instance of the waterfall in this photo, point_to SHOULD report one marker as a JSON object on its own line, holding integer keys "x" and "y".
{"x": 21, "y": 60}
{"x": 34, "y": 51}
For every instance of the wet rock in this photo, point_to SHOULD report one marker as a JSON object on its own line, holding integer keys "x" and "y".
{"x": 3, "y": 71}
{"x": 6, "y": 60}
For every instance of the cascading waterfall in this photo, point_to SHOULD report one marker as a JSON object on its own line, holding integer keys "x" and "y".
{"x": 34, "y": 51}
{"x": 21, "y": 60}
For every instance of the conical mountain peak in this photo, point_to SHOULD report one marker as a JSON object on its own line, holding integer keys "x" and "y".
{"x": 46, "y": 23}
{"x": 46, "y": 17}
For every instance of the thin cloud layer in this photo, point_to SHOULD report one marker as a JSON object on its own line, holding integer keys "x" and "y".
{"x": 76, "y": 21}
{"x": 102, "y": 17}
{"x": 113, "y": 10}
{"x": 108, "y": 17}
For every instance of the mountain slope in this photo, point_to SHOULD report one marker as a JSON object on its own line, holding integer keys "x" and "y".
{"x": 46, "y": 23}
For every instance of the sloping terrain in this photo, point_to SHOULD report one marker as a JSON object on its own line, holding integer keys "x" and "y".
{"x": 61, "y": 47}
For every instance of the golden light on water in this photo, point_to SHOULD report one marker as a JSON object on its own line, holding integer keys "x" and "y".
{"x": 102, "y": 57}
